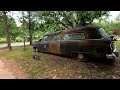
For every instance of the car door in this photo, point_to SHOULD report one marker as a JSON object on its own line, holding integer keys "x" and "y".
{"x": 44, "y": 44}
{"x": 55, "y": 44}
{"x": 73, "y": 42}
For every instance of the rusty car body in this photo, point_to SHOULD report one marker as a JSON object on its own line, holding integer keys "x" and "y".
{"x": 87, "y": 41}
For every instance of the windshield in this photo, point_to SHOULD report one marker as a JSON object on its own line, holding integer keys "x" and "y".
{"x": 102, "y": 32}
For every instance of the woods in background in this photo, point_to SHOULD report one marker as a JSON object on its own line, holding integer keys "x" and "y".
{"x": 37, "y": 23}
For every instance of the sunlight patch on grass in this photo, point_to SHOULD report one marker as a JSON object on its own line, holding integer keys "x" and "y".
{"x": 117, "y": 43}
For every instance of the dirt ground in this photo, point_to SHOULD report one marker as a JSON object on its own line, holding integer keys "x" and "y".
{"x": 11, "y": 70}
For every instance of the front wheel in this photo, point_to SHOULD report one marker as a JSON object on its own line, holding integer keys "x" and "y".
{"x": 81, "y": 57}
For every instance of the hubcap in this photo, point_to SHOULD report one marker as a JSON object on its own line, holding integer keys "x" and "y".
{"x": 81, "y": 56}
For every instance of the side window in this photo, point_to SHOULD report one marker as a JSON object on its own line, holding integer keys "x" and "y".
{"x": 46, "y": 38}
{"x": 56, "y": 37}
{"x": 74, "y": 36}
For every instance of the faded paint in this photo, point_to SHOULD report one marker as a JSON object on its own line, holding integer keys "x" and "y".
{"x": 55, "y": 47}
{"x": 93, "y": 43}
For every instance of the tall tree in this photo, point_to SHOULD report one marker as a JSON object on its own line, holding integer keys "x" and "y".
{"x": 30, "y": 31}
{"x": 6, "y": 28}
{"x": 29, "y": 21}
{"x": 2, "y": 31}
{"x": 23, "y": 27}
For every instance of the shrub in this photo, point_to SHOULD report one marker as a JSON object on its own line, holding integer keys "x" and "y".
{"x": 19, "y": 39}
{"x": 2, "y": 40}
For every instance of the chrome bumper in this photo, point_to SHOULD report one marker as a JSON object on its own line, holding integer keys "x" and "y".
{"x": 114, "y": 55}
{"x": 111, "y": 56}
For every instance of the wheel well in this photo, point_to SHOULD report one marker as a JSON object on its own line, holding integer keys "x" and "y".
{"x": 34, "y": 47}
{"x": 74, "y": 53}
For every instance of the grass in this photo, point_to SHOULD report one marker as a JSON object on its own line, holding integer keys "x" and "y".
{"x": 52, "y": 66}
{"x": 118, "y": 45}
{"x": 24, "y": 57}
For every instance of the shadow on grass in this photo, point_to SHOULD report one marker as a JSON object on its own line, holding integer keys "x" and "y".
{"x": 101, "y": 61}
{"x": 102, "y": 65}
{"x": 70, "y": 67}
{"x": 96, "y": 61}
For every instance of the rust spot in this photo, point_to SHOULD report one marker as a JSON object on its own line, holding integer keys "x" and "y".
{"x": 91, "y": 43}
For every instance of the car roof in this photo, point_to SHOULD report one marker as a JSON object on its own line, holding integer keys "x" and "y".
{"x": 85, "y": 28}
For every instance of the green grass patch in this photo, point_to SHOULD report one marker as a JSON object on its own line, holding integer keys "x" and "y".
{"x": 24, "y": 57}
{"x": 117, "y": 43}
{"x": 2, "y": 40}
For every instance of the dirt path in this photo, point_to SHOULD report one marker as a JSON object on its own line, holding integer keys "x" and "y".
{"x": 5, "y": 73}
{"x": 9, "y": 69}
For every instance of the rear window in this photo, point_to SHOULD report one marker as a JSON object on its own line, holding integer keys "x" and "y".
{"x": 102, "y": 32}
{"x": 74, "y": 36}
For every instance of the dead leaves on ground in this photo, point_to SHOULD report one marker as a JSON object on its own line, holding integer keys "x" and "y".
{"x": 57, "y": 67}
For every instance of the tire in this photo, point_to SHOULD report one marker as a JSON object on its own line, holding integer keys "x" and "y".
{"x": 81, "y": 57}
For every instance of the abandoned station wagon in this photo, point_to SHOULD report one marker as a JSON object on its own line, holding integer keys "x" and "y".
{"x": 88, "y": 41}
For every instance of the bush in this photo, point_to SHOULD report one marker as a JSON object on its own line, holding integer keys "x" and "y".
{"x": 18, "y": 39}
{"x": 2, "y": 40}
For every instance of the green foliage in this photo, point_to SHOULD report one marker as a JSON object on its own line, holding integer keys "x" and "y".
{"x": 51, "y": 21}
{"x": 118, "y": 45}
{"x": 2, "y": 33}
{"x": 14, "y": 30}
{"x": 2, "y": 40}
{"x": 109, "y": 26}
{"x": 19, "y": 39}
{"x": 43, "y": 22}
{"x": 70, "y": 19}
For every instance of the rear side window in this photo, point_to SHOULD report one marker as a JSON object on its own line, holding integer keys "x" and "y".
{"x": 56, "y": 37}
{"x": 74, "y": 36}
{"x": 102, "y": 32}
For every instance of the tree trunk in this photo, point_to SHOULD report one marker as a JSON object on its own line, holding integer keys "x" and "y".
{"x": 23, "y": 29}
{"x": 30, "y": 31}
{"x": 6, "y": 28}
